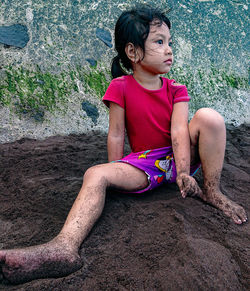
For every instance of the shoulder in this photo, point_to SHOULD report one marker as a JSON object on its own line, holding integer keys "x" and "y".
{"x": 121, "y": 79}
{"x": 172, "y": 83}
{"x": 123, "y": 83}
{"x": 177, "y": 91}
{"x": 176, "y": 84}
{"x": 115, "y": 92}
{"x": 116, "y": 84}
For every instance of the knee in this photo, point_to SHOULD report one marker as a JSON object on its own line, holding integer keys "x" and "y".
{"x": 209, "y": 118}
{"x": 96, "y": 175}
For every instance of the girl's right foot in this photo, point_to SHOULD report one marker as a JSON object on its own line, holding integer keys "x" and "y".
{"x": 52, "y": 259}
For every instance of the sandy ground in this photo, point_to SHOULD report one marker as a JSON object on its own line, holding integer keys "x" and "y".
{"x": 154, "y": 241}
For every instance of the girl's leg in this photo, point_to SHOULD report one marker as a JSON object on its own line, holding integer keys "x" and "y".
{"x": 90, "y": 201}
{"x": 60, "y": 257}
{"x": 208, "y": 135}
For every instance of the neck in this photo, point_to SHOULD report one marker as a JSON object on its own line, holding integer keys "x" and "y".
{"x": 148, "y": 81}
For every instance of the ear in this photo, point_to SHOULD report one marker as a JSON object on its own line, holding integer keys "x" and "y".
{"x": 133, "y": 53}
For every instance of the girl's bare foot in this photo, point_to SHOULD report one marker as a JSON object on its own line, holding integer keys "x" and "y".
{"x": 53, "y": 259}
{"x": 231, "y": 209}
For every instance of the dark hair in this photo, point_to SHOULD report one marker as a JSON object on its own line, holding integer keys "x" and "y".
{"x": 134, "y": 26}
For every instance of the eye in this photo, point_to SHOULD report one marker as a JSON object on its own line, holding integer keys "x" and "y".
{"x": 170, "y": 43}
{"x": 159, "y": 41}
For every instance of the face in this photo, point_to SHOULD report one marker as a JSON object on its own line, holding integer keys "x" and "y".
{"x": 158, "y": 56}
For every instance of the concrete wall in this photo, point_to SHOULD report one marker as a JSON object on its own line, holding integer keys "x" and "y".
{"x": 51, "y": 48}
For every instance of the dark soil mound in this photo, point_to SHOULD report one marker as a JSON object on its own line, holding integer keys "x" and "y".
{"x": 154, "y": 241}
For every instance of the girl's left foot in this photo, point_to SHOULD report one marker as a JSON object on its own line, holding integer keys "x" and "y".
{"x": 231, "y": 209}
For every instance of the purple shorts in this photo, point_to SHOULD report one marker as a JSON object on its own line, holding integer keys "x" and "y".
{"x": 158, "y": 164}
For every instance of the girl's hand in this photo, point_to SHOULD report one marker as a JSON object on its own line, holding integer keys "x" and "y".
{"x": 188, "y": 185}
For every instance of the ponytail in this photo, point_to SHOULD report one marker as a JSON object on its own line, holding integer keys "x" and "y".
{"x": 116, "y": 69}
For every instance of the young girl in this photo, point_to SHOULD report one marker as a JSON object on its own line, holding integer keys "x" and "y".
{"x": 165, "y": 148}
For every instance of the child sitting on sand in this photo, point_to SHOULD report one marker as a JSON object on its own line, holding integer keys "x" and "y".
{"x": 165, "y": 147}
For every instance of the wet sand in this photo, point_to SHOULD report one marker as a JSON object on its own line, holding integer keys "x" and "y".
{"x": 153, "y": 241}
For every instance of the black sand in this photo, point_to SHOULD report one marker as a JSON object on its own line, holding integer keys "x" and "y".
{"x": 155, "y": 241}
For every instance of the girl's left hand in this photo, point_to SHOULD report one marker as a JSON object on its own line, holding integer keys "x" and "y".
{"x": 188, "y": 185}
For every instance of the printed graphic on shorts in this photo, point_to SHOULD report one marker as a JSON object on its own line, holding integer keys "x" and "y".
{"x": 145, "y": 154}
{"x": 158, "y": 178}
{"x": 169, "y": 173}
{"x": 165, "y": 166}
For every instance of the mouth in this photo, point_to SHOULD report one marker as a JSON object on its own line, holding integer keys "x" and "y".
{"x": 169, "y": 61}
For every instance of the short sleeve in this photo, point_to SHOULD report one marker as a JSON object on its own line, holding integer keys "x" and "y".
{"x": 179, "y": 92}
{"x": 115, "y": 92}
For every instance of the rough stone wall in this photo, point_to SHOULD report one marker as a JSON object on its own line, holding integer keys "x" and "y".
{"x": 55, "y": 56}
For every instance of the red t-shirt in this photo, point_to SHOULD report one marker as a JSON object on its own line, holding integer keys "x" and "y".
{"x": 147, "y": 112}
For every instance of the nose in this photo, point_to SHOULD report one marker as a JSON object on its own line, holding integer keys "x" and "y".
{"x": 168, "y": 50}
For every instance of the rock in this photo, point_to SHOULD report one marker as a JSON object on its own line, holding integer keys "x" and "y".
{"x": 105, "y": 36}
{"x": 38, "y": 115}
{"x": 91, "y": 110}
{"x": 92, "y": 62}
{"x": 14, "y": 35}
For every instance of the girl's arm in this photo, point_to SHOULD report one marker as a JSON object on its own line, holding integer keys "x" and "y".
{"x": 181, "y": 148}
{"x": 116, "y": 132}
{"x": 180, "y": 137}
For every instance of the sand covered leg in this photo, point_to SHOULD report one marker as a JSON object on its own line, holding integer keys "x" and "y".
{"x": 50, "y": 260}
{"x": 59, "y": 257}
{"x": 207, "y": 130}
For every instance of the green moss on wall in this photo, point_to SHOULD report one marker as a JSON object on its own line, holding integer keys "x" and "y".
{"x": 33, "y": 92}
{"x": 206, "y": 86}
{"x": 96, "y": 79}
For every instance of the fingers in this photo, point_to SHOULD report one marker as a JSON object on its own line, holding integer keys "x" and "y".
{"x": 188, "y": 186}
{"x": 181, "y": 186}
{"x": 183, "y": 194}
